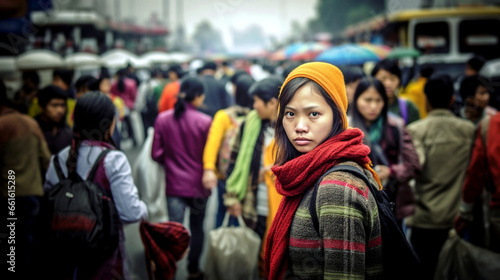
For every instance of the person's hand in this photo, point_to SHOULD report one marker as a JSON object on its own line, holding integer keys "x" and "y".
{"x": 460, "y": 225}
{"x": 209, "y": 179}
{"x": 383, "y": 172}
{"x": 235, "y": 209}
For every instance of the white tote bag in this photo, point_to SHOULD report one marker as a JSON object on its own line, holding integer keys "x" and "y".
{"x": 233, "y": 252}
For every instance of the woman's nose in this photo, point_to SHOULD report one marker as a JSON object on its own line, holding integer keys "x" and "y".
{"x": 301, "y": 125}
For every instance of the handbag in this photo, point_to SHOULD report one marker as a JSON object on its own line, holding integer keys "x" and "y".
{"x": 233, "y": 252}
{"x": 460, "y": 259}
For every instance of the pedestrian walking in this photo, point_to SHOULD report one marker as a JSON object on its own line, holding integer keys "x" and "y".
{"x": 94, "y": 118}
{"x": 443, "y": 143}
{"x": 179, "y": 140}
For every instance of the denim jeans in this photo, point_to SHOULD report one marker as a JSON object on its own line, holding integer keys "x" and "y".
{"x": 176, "y": 208}
{"x": 221, "y": 209}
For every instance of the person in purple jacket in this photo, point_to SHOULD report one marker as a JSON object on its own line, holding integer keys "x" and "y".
{"x": 178, "y": 143}
{"x": 94, "y": 124}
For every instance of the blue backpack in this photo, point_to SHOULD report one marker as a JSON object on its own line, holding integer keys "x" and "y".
{"x": 399, "y": 259}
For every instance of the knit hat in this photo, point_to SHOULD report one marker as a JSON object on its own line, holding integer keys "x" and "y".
{"x": 329, "y": 77}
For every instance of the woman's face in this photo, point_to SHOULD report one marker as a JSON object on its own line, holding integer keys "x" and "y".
{"x": 308, "y": 119}
{"x": 389, "y": 80}
{"x": 370, "y": 104}
{"x": 482, "y": 96}
{"x": 105, "y": 86}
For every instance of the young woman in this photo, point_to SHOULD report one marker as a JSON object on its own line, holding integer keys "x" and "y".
{"x": 94, "y": 123}
{"x": 312, "y": 137}
{"x": 388, "y": 72}
{"x": 179, "y": 139}
{"x": 392, "y": 150}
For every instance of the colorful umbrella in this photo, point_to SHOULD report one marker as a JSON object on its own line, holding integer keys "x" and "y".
{"x": 403, "y": 52}
{"x": 347, "y": 54}
{"x": 308, "y": 51}
{"x": 380, "y": 50}
{"x": 278, "y": 55}
{"x": 290, "y": 50}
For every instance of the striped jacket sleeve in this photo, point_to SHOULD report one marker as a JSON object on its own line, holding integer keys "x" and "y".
{"x": 349, "y": 228}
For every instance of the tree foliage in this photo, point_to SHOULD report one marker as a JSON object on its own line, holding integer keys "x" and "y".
{"x": 335, "y": 15}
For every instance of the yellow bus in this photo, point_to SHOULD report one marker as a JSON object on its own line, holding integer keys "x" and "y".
{"x": 447, "y": 37}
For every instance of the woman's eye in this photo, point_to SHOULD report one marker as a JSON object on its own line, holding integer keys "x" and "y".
{"x": 289, "y": 114}
{"x": 314, "y": 114}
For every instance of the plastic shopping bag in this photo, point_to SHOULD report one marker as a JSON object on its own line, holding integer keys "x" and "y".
{"x": 149, "y": 177}
{"x": 460, "y": 259}
{"x": 233, "y": 252}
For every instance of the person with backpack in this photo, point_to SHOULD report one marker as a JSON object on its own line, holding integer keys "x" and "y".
{"x": 105, "y": 171}
{"x": 387, "y": 71}
{"x": 438, "y": 137}
{"x": 312, "y": 136}
{"x": 222, "y": 133}
{"x": 391, "y": 148}
{"x": 179, "y": 139}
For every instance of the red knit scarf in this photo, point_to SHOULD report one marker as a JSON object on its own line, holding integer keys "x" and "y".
{"x": 295, "y": 177}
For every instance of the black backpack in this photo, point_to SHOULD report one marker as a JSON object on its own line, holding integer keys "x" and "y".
{"x": 399, "y": 259}
{"x": 83, "y": 219}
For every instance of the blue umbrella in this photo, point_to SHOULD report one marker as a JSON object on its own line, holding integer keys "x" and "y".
{"x": 347, "y": 54}
{"x": 290, "y": 50}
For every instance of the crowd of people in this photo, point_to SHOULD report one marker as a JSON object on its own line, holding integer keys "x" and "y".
{"x": 260, "y": 138}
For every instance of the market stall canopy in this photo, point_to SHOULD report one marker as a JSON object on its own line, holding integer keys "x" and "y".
{"x": 181, "y": 57}
{"x": 7, "y": 64}
{"x": 347, "y": 54}
{"x": 120, "y": 58}
{"x": 491, "y": 69}
{"x": 82, "y": 59}
{"x": 39, "y": 59}
{"x": 156, "y": 57}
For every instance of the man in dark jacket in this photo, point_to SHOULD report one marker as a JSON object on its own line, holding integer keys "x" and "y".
{"x": 216, "y": 96}
{"x": 57, "y": 133}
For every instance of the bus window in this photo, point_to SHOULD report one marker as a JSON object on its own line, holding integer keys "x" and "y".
{"x": 480, "y": 37}
{"x": 432, "y": 37}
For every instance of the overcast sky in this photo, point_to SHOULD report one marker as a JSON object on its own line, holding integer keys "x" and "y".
{"x": 275, "y": 16}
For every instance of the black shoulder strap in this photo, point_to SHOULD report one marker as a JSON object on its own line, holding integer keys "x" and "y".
{"x": 57, "y": 167}
{"x": 96, "y": 164}
{"x": 346, "y": 168}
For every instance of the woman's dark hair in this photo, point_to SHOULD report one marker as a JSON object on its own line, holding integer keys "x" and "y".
{"x": 121, "y": 80}
{"x": 243, "y": 84}
{"x": 365, "y": 84}
{"x": 177, "y": 69}
{"x": 469, "y": 85}
{"x": 237, "y": 74}
{"x": 190, "y": 89}
{"x": 267, "y": 88}
{"x": 352, "y": 73}
{"x": 388, "y": 65}
{"x": 94, "y": 113}
{"x": 84, "y": 82}
{"x": 285, "y": 151}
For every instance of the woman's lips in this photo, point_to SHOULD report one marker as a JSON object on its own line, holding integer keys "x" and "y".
{"x": 302, "y": 142}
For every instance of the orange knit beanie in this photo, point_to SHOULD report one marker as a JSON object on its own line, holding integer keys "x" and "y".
{"x": 329, "y": 77}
